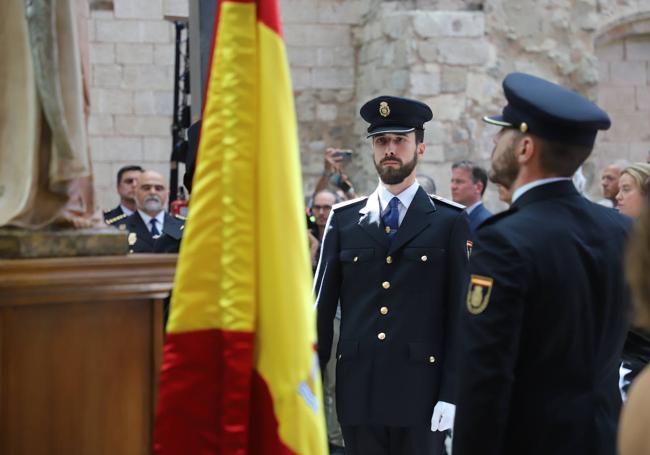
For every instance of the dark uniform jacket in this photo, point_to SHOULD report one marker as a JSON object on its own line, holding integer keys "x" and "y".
{"x": 478, "y": 215}
{"x": 115, "y": 217}
{"x": 140, "y": 238}
{"x": 542, "y": 342}
{"x": 398, "y": 307}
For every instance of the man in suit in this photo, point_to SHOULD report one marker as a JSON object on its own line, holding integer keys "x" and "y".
{"x": 127, "y": 182}
{"x": 468, "y": 183}
{"x": 397, "y": 263}
{"x": 150, "y": 221}
{"x": 546, "y": 312}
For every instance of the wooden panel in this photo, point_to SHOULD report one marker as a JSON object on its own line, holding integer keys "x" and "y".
{"x": 78, "y": 375}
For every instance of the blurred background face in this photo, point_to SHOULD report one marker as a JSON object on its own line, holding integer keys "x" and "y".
{"x": 322, "y": 206}
{"x": 609, "y": 181}
{"x": 463, "y": 189}
{"x": 128, "y": 185}
{"x": 629, "y": 197}
{"x": 151, "y": 193}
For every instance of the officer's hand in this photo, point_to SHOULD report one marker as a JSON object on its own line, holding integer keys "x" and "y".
{"x": 443, "y": 416}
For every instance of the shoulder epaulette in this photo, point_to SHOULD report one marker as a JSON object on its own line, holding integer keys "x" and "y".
{"x": 497, "y": 216}
{"x": 453, "y": 204}
{"x": 180, "y": 217}
{"x": 351, "y": 202}
{"x": 116, "y": 218}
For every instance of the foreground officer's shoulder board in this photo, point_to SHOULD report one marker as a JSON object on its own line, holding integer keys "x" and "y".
{"x": 456, "y": 205}
{"x": 117, "y": 218}
{"x": 350, "y": 203}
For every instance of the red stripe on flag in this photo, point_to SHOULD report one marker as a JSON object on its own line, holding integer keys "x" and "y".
{"x": 264, "y": 422}
{"x": 268, "y": 13}
{"x": 203, "y": 402}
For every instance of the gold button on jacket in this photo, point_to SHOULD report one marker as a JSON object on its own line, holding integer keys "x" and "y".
{"x": 381, "y": 336}
{"x": 383, "y": 310}
{"x": 385, "y": 284}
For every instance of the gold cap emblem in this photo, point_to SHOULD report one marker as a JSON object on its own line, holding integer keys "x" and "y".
{"x": 523, "y": 127}
{"x": 384, "y": 110}
{"x": 132, "y": 238}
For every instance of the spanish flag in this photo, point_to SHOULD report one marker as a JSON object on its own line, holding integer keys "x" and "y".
{"x": 239, "y": 372}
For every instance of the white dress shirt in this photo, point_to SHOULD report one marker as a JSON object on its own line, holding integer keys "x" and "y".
{"x": 147, "y": 220}
{"x": 405, "y": 198}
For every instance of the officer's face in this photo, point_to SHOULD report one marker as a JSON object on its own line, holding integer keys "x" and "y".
{"x": 609, "y": 181}
{"x": 629, "y": 197}
{"x": 128, "y": 184}
{"x": 504, "y": 168}
{"x": 151, "y": 194}
{"x": 396, "y": 156}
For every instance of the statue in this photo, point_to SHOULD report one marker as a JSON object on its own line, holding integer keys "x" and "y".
{"x": 45, "y": 169}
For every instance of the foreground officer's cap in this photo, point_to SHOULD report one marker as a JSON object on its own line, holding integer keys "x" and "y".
{"x": 391, "y": 114}
{"x": 550, "y": 111}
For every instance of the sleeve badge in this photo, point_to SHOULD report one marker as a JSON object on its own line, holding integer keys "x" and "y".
{"x": 478, "y": 295}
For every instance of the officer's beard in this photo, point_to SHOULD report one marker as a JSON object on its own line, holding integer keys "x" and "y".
{"x": 152, "y": 204}
{"x": 394, "y": 176}
{"x": 505, "y": 168}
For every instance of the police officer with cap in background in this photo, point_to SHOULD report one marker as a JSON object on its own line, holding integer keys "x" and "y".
{"x": 546, "y": 312}
{"x": 397, "y": 263}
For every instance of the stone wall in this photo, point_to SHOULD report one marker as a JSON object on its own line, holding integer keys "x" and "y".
{"x": 451, "y": 54}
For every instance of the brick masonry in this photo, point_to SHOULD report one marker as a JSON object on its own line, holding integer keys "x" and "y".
{"x": 451, "y": 54}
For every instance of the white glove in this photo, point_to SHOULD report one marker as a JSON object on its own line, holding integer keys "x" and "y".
{"x": 443, "y": 416}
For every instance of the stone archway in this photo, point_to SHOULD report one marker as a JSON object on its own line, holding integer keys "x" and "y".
{"x": 623, "y": 52}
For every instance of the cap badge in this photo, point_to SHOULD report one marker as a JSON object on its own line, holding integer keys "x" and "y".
{"x": 523, "y": 127}
{"x": 478, "y": 296}
{"x": 132, "y": 238}
{"x": 384, "y": 110}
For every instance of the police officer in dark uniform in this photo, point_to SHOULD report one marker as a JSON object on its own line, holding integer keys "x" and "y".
{"x": 547, "y": 311}
{"x": 397, "y": 263}
{"x": 127, "y": 180}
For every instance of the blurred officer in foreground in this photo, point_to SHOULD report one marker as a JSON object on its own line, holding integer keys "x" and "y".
{"x": 397, "y": 262}
{"x": 546, "y": 312}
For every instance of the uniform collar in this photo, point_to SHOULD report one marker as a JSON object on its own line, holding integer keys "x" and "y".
{"x": 126, "y": 211}
{"x": 405, "y": 197}
{"x": 160, "y": 218}
{"x": 529, "y": 186}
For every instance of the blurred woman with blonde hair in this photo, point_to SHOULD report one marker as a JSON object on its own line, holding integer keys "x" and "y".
{"x": 631, "y": 189}
{"x": 634, "y": 434}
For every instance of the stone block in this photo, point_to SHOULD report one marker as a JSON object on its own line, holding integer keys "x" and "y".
{"x": 139, "y": 54}
{"x": 326, "y": 112}
{"x": 148, "y": 77}
{"x": 90, "y": 25}
{"x": 449, "y": 23}
{"x": 148, "y": 102}
{"x": 317, "y": 35}
{"x": 157, "y": 148}
{"x": 108, "y": 149}
{"x": 617, "y": 98}
{"x": 628, "y": 73}
{"x": 349, "y": 12}
{"x": 396, "y": 25}
{"x": 434, "y": 154}
{"x": 117, "y": 31}
{"x": 425, "y": 84}
{"x": 301, "y": 78}
{"x": 428, "y": 51}
{"x": 453, "y": 79}
{"x": 130, "y": 125}
{"x": 450, "y": 107}
{"x": 643, "y": 98}
{"x": 103, "y": 174}
{"x": 110, "y": 101}
{"x": 628, "y": 127}
{"x": 637, "y": 49}
{"x": 603, "y": 72}
{"x": 463, "y": 51}
{"x": 101, "y": 53}
{"x": 333, "y": 78}
{"x": 179, "y": 8}
{"x": 305, "y": 56}
{"x": 295, "y": 12}
{"x": 138, "y": 9}
{"x": 100, "y": 124}
{"x": 611, "y": 52}
{"x": 639, "y": 151}
{"x": 163, "y": 54}
{"x": 398, "y": 81}
{"x": 456, "y": 152}
{"x": 155, "y": 32}
{"x": 482, "y": 88}
{"x": 435, "y": 131}
{"x": 107, "y": 75}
